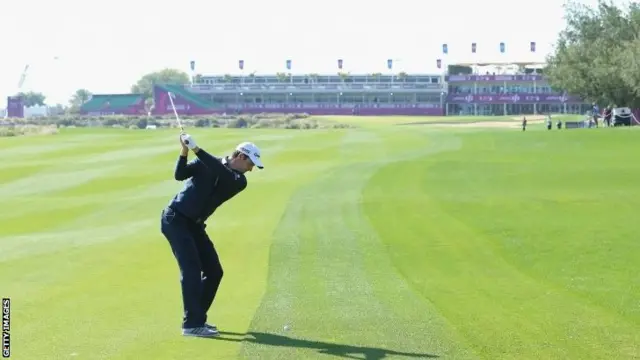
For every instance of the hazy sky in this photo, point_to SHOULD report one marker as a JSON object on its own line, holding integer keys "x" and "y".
{"x": 105, "y": 46}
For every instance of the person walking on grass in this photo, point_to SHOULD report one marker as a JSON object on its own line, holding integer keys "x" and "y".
{"x": 209, "y": 182}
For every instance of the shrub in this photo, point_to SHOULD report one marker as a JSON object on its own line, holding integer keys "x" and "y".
{"x": 238, "y": 121}
{"x": 28, "y": 129}
{"x": 7, "y": 132}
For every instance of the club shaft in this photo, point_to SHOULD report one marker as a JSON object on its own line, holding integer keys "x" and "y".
{"x": 175, "y": 112}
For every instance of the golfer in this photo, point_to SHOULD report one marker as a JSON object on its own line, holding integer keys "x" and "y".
{"x": 209, "y": 182}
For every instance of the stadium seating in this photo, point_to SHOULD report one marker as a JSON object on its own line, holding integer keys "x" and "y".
{"x": 178, "y": 90}
{"x": 94, "y": 104}
{"x": 111, "y": 102}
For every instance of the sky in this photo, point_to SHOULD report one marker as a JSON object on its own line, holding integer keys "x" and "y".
{"x": 106, "y": 47}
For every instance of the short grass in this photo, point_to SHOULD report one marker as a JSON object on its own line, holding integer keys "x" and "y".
{"x": 391, "y": 242}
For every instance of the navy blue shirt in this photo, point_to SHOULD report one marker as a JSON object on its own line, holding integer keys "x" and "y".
{"x": 209, "y": 183}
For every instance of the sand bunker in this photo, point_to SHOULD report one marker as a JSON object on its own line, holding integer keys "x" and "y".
{"x": 530, "y": 118}
{"x": 513, "y": 122}
{"x": 488, "y": 124}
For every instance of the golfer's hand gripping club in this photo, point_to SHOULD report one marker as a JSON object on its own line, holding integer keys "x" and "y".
{"x": 188, "y": 141}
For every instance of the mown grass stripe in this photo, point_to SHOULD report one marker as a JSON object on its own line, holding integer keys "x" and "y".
{"x": 455, "y": 224}
{"x": 324, "y": 237}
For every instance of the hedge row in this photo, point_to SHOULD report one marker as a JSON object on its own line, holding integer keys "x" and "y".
{"x": 283, "y": 121}
{"x": 28, "y": 129}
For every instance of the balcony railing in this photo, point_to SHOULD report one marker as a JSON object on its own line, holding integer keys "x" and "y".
{"x": 207, "y": 88}
{"x": 313, "y": 105}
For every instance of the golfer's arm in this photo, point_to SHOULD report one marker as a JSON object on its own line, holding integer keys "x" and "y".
{"x": 183, "y": 169}
{"x": 209, "y": 161}
{"x": 180, "y": 172}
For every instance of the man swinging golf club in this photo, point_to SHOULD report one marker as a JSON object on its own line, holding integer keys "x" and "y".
{"x": 209, "y": 182}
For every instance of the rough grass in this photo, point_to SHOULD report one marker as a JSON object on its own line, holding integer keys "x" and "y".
{"x": 373, "y": 242}
{"x": 300, "y": 121}
{"x": 385, "y": 121}
{"x": 24, "y": 130}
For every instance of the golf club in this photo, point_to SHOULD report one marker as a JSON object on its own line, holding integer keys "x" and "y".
{"x": 175, "y": 112}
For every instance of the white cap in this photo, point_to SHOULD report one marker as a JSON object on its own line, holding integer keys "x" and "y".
{"x": 252, "y": 151}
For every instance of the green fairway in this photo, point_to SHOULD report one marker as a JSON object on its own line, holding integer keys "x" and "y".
{"x": 377, "y": 242}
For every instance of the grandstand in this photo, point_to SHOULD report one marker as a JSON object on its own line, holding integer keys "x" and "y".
{"x": 507, "y": 89}
{"x": 343, "y": 94}
{"x": 111, "y": 104}
{"x": 489, "y": 88}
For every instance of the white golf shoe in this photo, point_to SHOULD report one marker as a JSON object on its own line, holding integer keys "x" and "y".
{"x": 203, "y": 331}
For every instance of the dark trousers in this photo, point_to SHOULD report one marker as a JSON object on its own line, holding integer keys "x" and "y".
{"x": 200, "y": 268}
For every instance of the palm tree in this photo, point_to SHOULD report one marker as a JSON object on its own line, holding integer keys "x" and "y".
{"x": 149, "y": 105}
{"x": 343, "y": 76}
{"x": 282, "y": 77}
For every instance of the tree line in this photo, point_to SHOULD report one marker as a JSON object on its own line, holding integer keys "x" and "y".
{"x": 596, "y": 55}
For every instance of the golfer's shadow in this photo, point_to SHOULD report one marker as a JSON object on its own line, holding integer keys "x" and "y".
{"x": 339, "y": 350}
